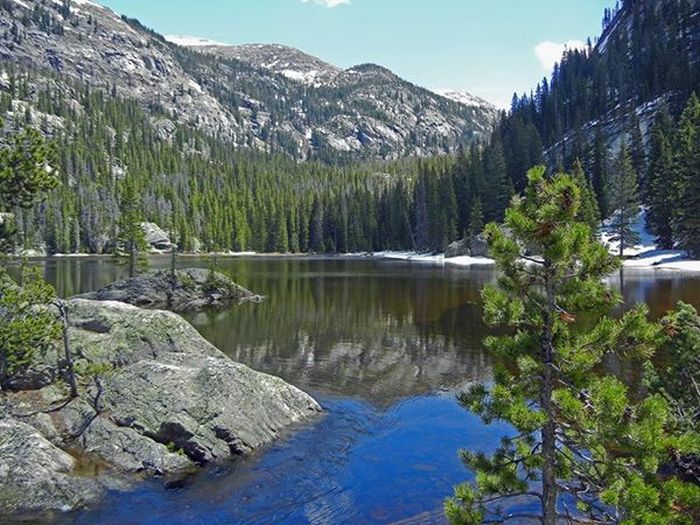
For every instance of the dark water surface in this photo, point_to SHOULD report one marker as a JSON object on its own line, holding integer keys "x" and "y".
{"x": 382, "y": 346}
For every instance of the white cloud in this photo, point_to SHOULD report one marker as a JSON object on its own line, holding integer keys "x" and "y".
{"x": 328, "y": 3}
{"x": 550, "y": 53}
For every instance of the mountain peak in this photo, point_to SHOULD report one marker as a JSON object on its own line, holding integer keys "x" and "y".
{"x": 269, "y": 97}
{"x": 192, "y": 41}
{"x": 465, "y": 98}
{"x": 280, "y": 59}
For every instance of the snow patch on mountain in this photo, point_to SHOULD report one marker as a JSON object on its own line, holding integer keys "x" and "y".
{"x": 289, "y": 62}
{"x": 191, "y": 41}
{"x": 464, "y": 98}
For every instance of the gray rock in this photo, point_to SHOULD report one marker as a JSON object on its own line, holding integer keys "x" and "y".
{"x": 458, "y": 249}
{"x": 479, "y": 247}
{"x": 168, "y": 385}
{"x": 35, "y": 378}
{"x": 130, "y": 451}
{"x": 36, "y": 476}
{"x": 476, "y": 246}
{"x": 156, "y": 237}
{"x": 171, "y": 386}
{"x": 209, "y": 407}
{"x": 167, "y": 402}
{"x": 195, "y": 289}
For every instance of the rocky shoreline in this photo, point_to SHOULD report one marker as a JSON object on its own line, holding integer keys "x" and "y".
{"x": 155, "y": 399}
{"x": 186, "y": 290}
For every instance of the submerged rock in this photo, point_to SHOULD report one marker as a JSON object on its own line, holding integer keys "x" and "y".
{"x": 162, "y": 401}
{"x": 194, "y": 289}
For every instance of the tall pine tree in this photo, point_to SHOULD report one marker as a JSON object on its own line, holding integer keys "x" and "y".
{"x": 581, "y": 450}
{"x": 624, "y": 199}
{"x": 131, "y": 241}
{"x": 686, "y": 220}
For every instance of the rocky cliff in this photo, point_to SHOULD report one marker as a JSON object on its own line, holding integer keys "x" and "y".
{"x": 267, "y": 97}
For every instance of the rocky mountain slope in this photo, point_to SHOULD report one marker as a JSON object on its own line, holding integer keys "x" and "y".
{"x": 268, "y": 97}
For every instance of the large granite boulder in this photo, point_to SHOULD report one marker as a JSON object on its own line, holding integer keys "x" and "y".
{"x": 36, "y": 476}
{"x": 171, "y": 386}
{"x": 162, "y": 402}
{"x": 479, "y": 246}
{"x": 475, "y": 246}
{"x": 458, "y": 249}
{"x": 194, "y": 289}
{"x": 156, "y": 237}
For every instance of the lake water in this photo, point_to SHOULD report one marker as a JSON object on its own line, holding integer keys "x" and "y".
{"x": 382, "y": 346}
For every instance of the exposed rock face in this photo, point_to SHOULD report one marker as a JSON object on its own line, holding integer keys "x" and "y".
{"x": 166, "y": 401}
{"x": 252, "y": 96}
{"x": 194, "y": 289}
{"x": 156, "y": 237}
{"x": 183, "y": 401}
{"x": 283, "y": 60}
{"x": 35, "y": 475}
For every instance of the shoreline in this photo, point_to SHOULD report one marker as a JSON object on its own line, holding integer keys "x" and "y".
{"x": 645, "y": 262}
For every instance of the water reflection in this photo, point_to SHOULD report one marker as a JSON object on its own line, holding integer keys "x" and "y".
{"x": 377, "y": 330}
{"x": 380, "y": 332}
{"x": 367, "y": 338}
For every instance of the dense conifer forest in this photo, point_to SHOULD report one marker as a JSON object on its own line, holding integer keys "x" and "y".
{"x": 214, "y": 197}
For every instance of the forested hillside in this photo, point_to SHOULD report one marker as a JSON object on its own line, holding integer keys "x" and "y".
{"x": 626, "y": 91}
{"x": 209, "y": 195}
{"x": 610, "y": 93}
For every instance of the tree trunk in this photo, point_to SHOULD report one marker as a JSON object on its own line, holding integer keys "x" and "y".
{"x": 132, "y": 259}
{"x": 68, "y": 354}
{"x": 173, "y": 261}
{"x": 549, "y": 480}
{"x": 622, "y": 233}
{"x": 3, "y": 369}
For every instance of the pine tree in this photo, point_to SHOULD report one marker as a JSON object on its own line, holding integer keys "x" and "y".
{"x": 589, "y": 212}
{"x": 27, "y": 326}
{"x": 661, "y": 181}
{"x": 636, "y": 149}
{"x": 686, "y": 220}
{"x": 422, "y": 222}
{"x": 599, "y": 172}
{"x": 27, "y": 172}
{"x": 131, "y": 241}
{"x": 497, "y": 193}
{"x": 476, "y": 219}
{"x": 678, "y": 376}
{"x": 624, "y": 199}
{"x": 581, "y": 450}
{"x": 316, "y": 243}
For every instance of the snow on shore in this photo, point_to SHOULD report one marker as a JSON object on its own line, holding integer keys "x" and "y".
{"x": 646, "y": 254}
{"x": 437, "y": 260}
{"x": 643, "y": 256}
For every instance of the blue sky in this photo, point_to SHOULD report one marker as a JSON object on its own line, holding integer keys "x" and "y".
{"x": 488, "y": 47}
